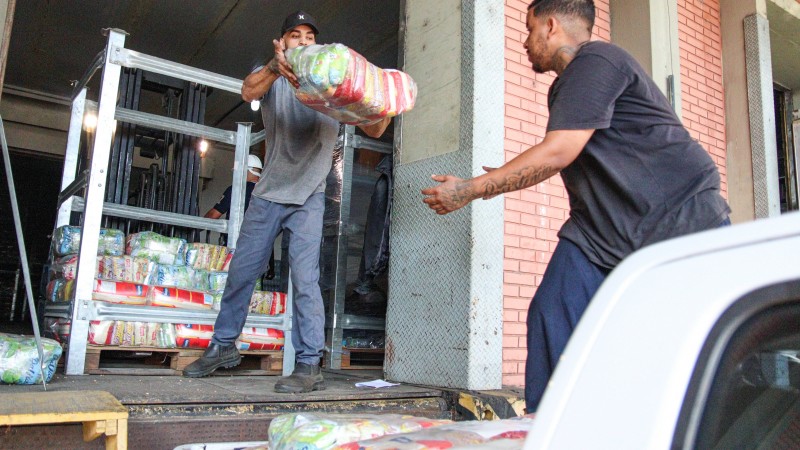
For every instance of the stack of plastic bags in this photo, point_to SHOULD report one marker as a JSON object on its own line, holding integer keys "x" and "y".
{"x": 269, "y": 303}
{"x": 132, "y": 334}
{"x": 310, "y": 431}
{"x": 67, "y": 241}
{"x": 19, "y": 359}
{"x": 342, "y": 84}
{"x": 157, "y": 248}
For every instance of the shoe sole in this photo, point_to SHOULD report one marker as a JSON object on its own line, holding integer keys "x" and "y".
{"x": 318, "y": 386}
{"x": 223, "y": 365}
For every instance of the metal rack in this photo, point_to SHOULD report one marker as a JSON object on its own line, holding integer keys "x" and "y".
{"x": 83, "y": 309}
{"x": 337, "y": 321}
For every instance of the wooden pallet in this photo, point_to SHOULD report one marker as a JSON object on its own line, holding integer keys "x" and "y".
{"x": 172, "y": 361}
{"x": 362, "y": 358}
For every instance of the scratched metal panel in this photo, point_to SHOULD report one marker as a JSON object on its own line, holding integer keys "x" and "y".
{"x": 762, "y": 116}
{"x": 444, "y": 316}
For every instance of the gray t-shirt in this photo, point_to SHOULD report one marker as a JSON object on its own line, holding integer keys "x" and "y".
{"x": 641, "y": 178}
{"x": 300, "y": 145}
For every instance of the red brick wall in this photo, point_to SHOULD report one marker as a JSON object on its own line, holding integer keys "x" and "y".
{"x": 534, "y": 215}
{"x": 703, "y": 106}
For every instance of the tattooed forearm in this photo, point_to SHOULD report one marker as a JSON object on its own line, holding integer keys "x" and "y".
{"x": 526, "y": 177}
{"x": 273, "y": 66}
{"x": 462, "y": 194}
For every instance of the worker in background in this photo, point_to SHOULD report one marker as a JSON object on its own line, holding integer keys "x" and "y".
{"x": 289, "y": 197}
{"x": 223, "y": 206}
{"x": 633, "y": 174}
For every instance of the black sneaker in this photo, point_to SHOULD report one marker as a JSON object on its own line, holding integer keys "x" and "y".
{"x": 305, "y": 378}
{"x": 213, "y": 358}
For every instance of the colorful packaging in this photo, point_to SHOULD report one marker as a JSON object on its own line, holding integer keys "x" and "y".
{"x": 120, "y": 292}
{"x": 66, "y": 267}
{"x": 193, "y": 336}
{"x": 311, "y": 431}
{"x": 179, "y": 298}
{"x": 269, "y": 303}
{"x": 260, "y": 339}
{"x": 339, "y": 82}
{"x": 126, "y": 268}
{"x": 67, "y": 241}
{"x": 175, "y": 276}
{"x": 132, "y": 334}
{"x": 158, "y": 248}
{"x": 216, "y": 281}
{"x": 453, "y": 435}
{"x": 19, "y": 359}
{"x": 206, "y": 256}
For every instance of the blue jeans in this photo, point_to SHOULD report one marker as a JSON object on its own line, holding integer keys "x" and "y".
{"x": 569, "y": 283}
{"x": 263, "y": 221}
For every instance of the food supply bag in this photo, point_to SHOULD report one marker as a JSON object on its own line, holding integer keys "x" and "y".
{"x": 171, "y": 297}
{"x": 19, "y": 359}
{"x": 193, "y": 336}
{"x": 207, "y": 256}
{"x": 126, "y": 268}
{"x": 310, "y": 431}
{"x": 182, "y": 277}
{"x": 66, "y": 267}
{"x": 158, "y": 248}
{"x": 269, "y": 303}
{"x": 67, "y": 241}
{"x": 458, "y": 434}
{"x": 260, "y": 339}
{"x": 121, "y": 292}
{"x": 337, "y": 81}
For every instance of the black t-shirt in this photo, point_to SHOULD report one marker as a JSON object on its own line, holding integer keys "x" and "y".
{"x": 641, "y": 177}
{"x": 224, "y": 204}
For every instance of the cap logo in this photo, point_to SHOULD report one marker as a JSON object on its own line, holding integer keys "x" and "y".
{"x": 301, "y": 17}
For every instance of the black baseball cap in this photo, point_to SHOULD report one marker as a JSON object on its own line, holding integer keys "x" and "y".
{"x": 298, "y": 18}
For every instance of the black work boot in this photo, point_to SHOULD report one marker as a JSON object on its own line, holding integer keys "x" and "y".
{"x": 305, "y": 378}
{"x": 213, "y": 358}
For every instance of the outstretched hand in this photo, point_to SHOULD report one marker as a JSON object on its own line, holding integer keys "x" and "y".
{"x": 451, "y": 194}
{"x": 283, "y": 66}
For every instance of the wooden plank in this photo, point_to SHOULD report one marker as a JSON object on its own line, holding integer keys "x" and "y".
{"x": 352, "y": 358}
{"x": 59, "y": 407}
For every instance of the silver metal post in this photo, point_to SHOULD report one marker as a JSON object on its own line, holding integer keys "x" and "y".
{"x": 336, "y": 334}
{"x": 72, "y": 154}
{"x": 93, "y": 212}
{"x": 288, "y": 347}
{"x": 14, "y": 297}
{"x": 239, "y": 182}
{"x": 23, "y": 254}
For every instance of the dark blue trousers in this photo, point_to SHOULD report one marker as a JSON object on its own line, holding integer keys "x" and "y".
{"x": 570, "y": 281}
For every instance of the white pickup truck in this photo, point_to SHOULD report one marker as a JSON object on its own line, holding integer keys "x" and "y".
{"x": 689, "y": 344}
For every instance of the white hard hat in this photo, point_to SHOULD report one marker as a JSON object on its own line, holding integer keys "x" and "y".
{"x": 254, "y": 163}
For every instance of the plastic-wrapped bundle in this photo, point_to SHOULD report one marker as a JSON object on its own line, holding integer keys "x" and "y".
{"x": 179, "y": 298}
{"x": 67, "y": 241}
{"x": 175, "y": 276}
{"x": 260, "y": 339}
{"x": 153, "y": 246}
{"x": 206, "y": 256}
{"x": 126, "y": 268}
{"x": 66, "y": 267}
{"x": 458, "y": 434}
{"x": 266, "y": 302}
{"x": 341, "y": 83}
{"x": 310, "y": 431}
{"x": 60, "y": 290}
{"x": 19, "y": 359}
{"x": 132, "y": 334}
{"x": 193, "y": 336}
{"x": 216, "y": 281}
{"x": 120, "y": 292}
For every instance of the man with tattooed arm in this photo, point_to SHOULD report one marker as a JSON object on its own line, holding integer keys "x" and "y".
{"x": 633, "y": 174}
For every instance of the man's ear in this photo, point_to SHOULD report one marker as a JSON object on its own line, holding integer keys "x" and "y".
{"x": 553, "y": 26}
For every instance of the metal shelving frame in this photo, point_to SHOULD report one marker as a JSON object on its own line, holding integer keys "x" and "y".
{"x": 83, "y": 309}
{"x": 337, "y": 321}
